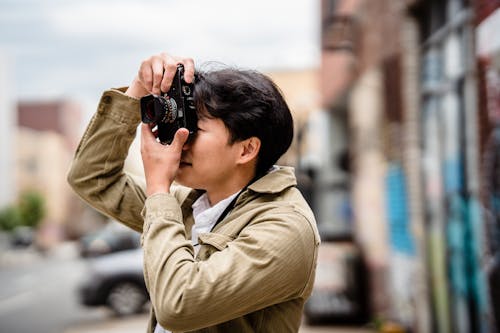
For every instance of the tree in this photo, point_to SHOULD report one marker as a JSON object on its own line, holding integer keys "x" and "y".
{"x": 31, "y": 208}
{"x": 28, "y": 211}
{"x": 10, "y": 218}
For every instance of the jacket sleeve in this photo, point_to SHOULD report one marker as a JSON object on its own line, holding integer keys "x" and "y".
{"x": 96, "y": 173}
{"x": 270, "y": 262}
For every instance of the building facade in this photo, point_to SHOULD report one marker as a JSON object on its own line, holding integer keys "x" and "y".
{"x": 46, "y": 139}
{"x": 417, "y": 99}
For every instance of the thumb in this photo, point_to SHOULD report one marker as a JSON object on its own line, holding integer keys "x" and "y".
{"x": 180, "y": 139}
{"x": 147, "y": 135}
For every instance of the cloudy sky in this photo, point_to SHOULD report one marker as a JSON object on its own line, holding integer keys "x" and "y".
{"x": 75, "y": 49}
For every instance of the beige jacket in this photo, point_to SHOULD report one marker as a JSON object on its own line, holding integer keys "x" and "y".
{"x": 253, "y": 272}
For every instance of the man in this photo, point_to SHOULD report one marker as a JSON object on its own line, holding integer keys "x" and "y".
{"x": 232, "y": 246}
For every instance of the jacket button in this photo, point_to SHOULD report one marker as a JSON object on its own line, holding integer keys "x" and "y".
{"x": 106, "y": 99}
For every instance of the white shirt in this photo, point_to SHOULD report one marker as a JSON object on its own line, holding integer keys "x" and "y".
{"x": 205, "y": 217}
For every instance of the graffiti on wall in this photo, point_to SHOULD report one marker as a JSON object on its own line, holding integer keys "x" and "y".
{"x": 402, "y": 244}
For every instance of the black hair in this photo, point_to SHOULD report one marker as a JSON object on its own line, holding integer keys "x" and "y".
{"x": 250, "y": 105}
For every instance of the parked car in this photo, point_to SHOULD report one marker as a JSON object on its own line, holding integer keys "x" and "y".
{"x": 113, "y": 237}
{"x": 22, "y": 236}
{"x": 115, "y": 280}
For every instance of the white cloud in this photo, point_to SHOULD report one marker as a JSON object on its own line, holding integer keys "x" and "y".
{"x": 77, "y": 48}
{"x": 161, "y": 18}
{"x": 221, "y": 28}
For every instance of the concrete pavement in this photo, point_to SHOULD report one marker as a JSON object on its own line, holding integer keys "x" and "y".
{"x": 100, "y": 320}
{"x": 137, "y": 324}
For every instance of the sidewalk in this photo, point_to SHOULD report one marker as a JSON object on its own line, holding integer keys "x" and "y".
{"x": 133, "y": 324}
{"x": 138, "y": 324}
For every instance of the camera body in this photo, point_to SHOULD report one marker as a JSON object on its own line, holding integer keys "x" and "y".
{"x": 172, "y": 110}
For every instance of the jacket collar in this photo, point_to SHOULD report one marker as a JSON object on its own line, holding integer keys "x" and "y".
{"x": 275, "y": 181}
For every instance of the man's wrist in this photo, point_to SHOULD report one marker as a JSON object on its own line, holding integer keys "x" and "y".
{"x": 136, "y": 90}
{"x": 150, "y": 191}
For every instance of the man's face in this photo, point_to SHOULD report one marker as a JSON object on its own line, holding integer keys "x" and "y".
{"x": 208, "y": 162}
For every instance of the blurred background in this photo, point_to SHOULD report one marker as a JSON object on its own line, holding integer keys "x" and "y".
{"x": 397, "y": 149}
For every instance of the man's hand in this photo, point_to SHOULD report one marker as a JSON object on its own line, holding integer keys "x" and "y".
{"x": 161, "y": 162}
{"x": 156, "y": 73}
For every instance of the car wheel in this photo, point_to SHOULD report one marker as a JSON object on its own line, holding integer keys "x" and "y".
{"x": 126, "y": 298}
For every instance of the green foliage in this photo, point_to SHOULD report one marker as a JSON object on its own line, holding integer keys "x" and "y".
{"x": 29, "y": 211}
{"x": 32, "y": 208}
{"x": 10, "y": 218}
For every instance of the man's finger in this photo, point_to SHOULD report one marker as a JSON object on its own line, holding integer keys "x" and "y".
{"x": 188, "y": 70}
{"x": 170, "y": 68}
{"x": 146, "y": 76}
{"x": 157, "y": 68}
{"x": 180, "y": 139}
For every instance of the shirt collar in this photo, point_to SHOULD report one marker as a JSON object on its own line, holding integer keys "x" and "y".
{"x": 201, "y": 207}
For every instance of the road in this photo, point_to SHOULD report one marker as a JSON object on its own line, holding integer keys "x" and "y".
{"x": 138, "y": 324}
{"x": 38, "y": 294}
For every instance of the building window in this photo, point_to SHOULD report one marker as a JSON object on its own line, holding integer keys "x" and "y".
{"x": 338, "y": 32}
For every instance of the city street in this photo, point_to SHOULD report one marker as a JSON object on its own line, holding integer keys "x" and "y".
{"x": 38, "y": 294}
{"x": 138, "y": 324}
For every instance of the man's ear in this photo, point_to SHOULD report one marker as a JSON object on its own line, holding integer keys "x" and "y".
{"x": 250, "y": 149}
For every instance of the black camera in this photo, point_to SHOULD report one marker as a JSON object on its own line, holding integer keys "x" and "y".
{"x": 172, "y": 110}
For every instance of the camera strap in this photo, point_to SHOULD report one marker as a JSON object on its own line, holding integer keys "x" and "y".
{"x": 228, "y": 209}
{"x": 233, "y": 203}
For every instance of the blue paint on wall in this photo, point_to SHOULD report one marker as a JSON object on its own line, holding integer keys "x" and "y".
{"x": 453, "y": 175}
{"x": 400, "y": 236}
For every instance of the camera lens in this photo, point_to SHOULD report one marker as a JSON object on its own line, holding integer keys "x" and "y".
{"x": 149, "y": 112}
{"x": 170, "y": 110}
{"x": 151, "y": 109}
